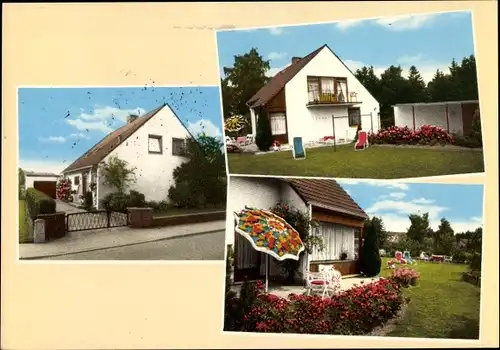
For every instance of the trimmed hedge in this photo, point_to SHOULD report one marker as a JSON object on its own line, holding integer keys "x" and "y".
{"x": 39, "y": 203}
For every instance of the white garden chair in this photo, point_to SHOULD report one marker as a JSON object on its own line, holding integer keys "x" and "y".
{"x": 325, "y": 282}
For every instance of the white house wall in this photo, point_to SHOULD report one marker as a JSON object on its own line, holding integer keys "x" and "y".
{"x": 30, "y": 180}
{"x": 309, "y": 122}
{"x": 154, "y": 172}
{"x": 252, "y": 192}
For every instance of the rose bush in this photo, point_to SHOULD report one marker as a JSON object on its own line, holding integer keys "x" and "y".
{"x": 426, "y": 135}
{"x": 352, "y": 312}
{"x": 405, "y": 277}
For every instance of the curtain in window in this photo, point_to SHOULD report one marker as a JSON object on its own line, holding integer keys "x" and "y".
{"x": 336, "y": 239}
{"x": 327, "y": 86}
{"x": 342, "y": 91}
{"x": 278, "y": 124}
{"x": 247, "y": 257}
{"x": 313, "y": 90}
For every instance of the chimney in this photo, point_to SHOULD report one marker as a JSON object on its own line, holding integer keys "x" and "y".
{"x": 131, "y": 118}
{"x": 296, "y": 59}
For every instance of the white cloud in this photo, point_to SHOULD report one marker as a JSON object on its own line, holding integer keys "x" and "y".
{"x": 343, "y": 25}
{"x": 406, "y": 208}
{"x": 397, "y": 195}
{"x": 205, "y": 126}
{"x": 276, "y": 55}
{"x": 79, "y": 135}
{"x": 42, "y": 166}
{"x": 109, "y": 112}
{"x": 273, "y": 71}
{"x": 377, "y": 183}
{"x": 101, "y": 118}
{"x": 57, "y": 139}
{"x": 422, "y": 201}
{"x": 407, "y": 22}
{"x": 276, "y": 31}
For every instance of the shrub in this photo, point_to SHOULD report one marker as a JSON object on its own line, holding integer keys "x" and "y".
{"x": 63, "y": 189}
{"x": 475, "y": 262}
{"x": 88, "y": 200}
{"x": 263, "y": 137}
{"x": 467, "y": 141}
{"x": 136, "y": 199}
{"x": 370, "y": 261}
{"x": 355, "y": 311}
{"x": 461, "y": 257}
{"x": 426, "y": 135}
{"x": 39, "y": 203}
{"x": 473, "y": 277}
{"x": 117, "y": 201}
{"x": 405, "y": 277}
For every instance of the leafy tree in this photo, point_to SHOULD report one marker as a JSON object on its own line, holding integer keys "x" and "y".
{"x": 419, "y": 227}
{"x": 117, "y": 173}
{"x": 444, "y": 238}
{"x": 370, "y": 262}
{"x": 263, "y": 137}
{"x": 201, "y": 180}
{"x": 228, "y": 108}
{"x": 246, "y": 76}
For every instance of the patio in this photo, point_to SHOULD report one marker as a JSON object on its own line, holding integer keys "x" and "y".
{"x": 283, "y": 291}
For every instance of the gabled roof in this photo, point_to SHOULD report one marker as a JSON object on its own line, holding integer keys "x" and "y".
{"x": 104, "y": 147}
{"x": 327, "y": 194}
{"x": 278, "y": 82}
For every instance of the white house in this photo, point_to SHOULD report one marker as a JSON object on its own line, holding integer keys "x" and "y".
{"x": 45, "y": 182}
{"x": 153, "y": 144}
{"x": 340, "y": 222}
{"x": 454, "y": 116}
{"x": 301, "y": 100}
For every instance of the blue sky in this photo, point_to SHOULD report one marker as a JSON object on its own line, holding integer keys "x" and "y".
{"x": 462, "y": 205}
{"x": 57, "y": 125}
{"x": 428, "y": 41}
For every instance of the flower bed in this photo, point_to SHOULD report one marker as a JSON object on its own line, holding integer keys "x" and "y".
{"x": 355, "y": 311}
{"x": 427, "y": 135}
{"x": 405, "y": 277}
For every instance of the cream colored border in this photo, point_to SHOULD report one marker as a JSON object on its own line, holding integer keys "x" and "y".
{"x": 83, "y": 306}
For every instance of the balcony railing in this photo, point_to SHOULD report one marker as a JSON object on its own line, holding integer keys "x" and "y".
{"x": 316, "y": 97}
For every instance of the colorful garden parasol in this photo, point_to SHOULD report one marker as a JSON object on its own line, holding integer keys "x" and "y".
{"x": 234, "y": 123}
{"x": 270, "y": 234}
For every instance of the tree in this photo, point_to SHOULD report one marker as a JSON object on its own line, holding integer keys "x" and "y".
{"x": 444, "y": 238}
{"x": 117, "y": 173}
{"x": 370, "y": 262}
{"x": 392, "y": 91}
{"x": 201, "y": 180}
{"x": 228, "y": 109}
{"x": 417, "y": 89}
{"x": 263, "y": 138}
{"x": 379, "y": 228}
{"x": 245, "y": 78}
{"x": 419, "y": 227}
{"x": 22, "y": 182}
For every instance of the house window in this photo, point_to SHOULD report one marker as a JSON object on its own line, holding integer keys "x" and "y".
{"x": 76, "y": 180}
{"x": 155, "y": 144}
{"x": 327, "y": 89}
{"x": 178, "y": 147}
{"x": 278, "y": 123}
{"x": 357, "y": 234}
{"x": 354, "y": 115}
{"x": 337, "y": 239}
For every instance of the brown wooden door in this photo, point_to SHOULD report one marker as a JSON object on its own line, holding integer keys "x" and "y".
{"x": 47, "y": 187}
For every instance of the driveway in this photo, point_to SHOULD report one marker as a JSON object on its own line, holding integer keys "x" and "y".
{"x": 68, "y": 209}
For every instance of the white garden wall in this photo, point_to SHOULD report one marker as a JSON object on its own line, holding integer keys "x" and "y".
{"x": 430, "y": 114}
{"x": 31, "y": 179}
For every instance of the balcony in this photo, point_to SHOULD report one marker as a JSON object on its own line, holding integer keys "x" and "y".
{"x": 330, "y": 98}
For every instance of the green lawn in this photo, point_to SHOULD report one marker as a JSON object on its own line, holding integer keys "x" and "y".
{"x": 23, "y": 226}
{"x": 374, "y": 162}
{"x": 441, "y": 306}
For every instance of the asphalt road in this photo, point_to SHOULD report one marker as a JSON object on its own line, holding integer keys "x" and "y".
{"x": 207, "y": 246}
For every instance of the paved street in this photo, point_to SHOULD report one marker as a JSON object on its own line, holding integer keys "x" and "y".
{"x": 207, "y": 246}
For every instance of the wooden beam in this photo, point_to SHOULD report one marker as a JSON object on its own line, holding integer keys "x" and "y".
{"x": 447, "y": 119}
{"x": 413, "y": 114}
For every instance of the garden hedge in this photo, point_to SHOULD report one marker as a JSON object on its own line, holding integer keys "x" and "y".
{"x": 39, "y": 203}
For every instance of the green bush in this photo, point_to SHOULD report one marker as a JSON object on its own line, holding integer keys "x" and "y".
{"x": 136, "y": 199}
{"x": 263, "y": 138}
{"x": 39, "y": 203}
{"x": 475, "y": 263}
{"x": 116, "y": 202}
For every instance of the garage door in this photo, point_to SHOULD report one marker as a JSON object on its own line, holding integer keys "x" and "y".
{"x": 47, "y": 187}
